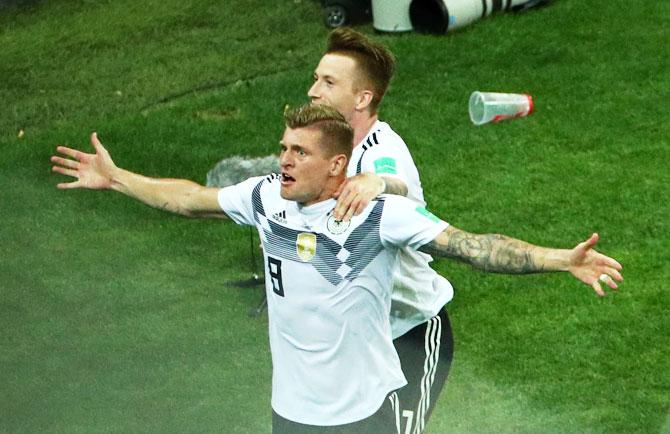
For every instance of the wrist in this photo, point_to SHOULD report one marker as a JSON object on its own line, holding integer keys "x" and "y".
{"x": 118, "y": 179}
{"x": 558, "y": 260}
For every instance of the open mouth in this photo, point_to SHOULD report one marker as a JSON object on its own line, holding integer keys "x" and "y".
{"x": 286, "y": 179}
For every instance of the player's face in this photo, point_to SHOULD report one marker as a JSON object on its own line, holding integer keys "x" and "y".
{"x": 305, "y": 170}
{"x": 334, "y": 83}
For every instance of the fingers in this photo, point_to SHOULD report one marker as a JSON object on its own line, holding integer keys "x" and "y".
{"x": 591, "y": 242}
{"x": 68, "y": 185}
{"x": 597, "y": 288}
{"x": 66, "y": 167}
{"x": 613, "y": 263}
{"x": 65, "y": 171}
{"x": 65, "y": 162}
{"x": 610, "y": 265}
{"x": 614, "y": 274}
{"x": 342, "y": 205}
{"x": 76, "y": 154}
{"x": 610, "y": 270}
{"x": 346, "y": 195}
{"x": 355, "y": 208}
{"x": 70, "y": 152}
{"x": 95, "y": 142}
{"x": 348, "y": 205}
{"x": 606, "y": 279}
{"x": 609, "y": 278}
{"x": 355, "y": 194}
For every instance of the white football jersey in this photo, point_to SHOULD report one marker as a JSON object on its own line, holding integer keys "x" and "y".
{"x": 329, "y": 294}
{"x": 418, "y": 291}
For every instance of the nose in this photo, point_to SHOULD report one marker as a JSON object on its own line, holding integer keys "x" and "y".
{"x": 313, "y": 91}
{"x": 284, "y": 159}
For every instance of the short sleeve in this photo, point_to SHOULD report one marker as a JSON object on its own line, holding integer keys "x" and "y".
{"x": 236, "y": 200}
{"x": 385, "y": 161}
{"x": 408, "y": 223}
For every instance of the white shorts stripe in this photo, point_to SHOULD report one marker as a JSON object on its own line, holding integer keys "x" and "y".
{"x": 395, "y": 405}
{"x": 432, "y": 348}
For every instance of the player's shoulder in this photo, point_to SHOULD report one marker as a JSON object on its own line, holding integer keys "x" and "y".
{"x": 270, "y": 180}
{"x": 382, "y": 138}
{"x": 387, "y": 133}
{"x": 388, "y": 203}
{"x": 266, "y": 194}
{"x": 403, "y": 210}
{"x": 264, "y": 185}
{"x": 397, "y": 204}
{"x": 262, "y": 179}
{"x": 395, "y": 200}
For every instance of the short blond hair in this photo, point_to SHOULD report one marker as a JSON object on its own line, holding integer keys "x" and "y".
{"x": 337, "y": 135}
{"x": 376, "y": 62}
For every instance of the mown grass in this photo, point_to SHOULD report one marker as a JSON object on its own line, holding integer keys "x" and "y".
{"x": 117, "y": 318}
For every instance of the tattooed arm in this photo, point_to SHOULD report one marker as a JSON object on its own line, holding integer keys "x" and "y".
{"x": 98, "y": 172}
{"x": 501, "y": 254}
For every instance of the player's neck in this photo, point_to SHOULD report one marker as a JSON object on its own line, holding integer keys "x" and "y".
{"x": 362, "y": 125}
{"x": 328, "y": 191}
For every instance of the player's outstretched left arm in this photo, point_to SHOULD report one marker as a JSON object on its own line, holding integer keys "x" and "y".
{"x": 500, "y": 254}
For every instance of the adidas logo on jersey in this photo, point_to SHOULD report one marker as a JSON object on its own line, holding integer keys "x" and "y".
{"x": 280, "y": 217}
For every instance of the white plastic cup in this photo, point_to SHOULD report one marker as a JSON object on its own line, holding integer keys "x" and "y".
{"x": 494, "y": 107}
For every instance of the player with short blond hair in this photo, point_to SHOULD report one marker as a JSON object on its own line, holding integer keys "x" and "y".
{"x": 353, "y": 76}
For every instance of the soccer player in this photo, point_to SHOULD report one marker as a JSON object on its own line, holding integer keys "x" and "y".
{"x": 353, "y": 76}
{"x": 335, "y": 369}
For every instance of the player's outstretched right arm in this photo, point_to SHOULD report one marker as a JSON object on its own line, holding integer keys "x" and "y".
{"x": 501, "y": 254}
{"x": 98, "y": 172}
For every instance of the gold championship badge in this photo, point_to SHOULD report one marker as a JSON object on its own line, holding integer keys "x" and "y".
{"x": 306, "y": 246}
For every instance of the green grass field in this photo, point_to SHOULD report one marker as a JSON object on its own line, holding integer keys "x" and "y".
{"x": 115, "y": 317}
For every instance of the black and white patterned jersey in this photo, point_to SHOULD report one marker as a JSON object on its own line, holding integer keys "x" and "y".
{"x": 328, "y": 287}
{"x": 418, "y": 291}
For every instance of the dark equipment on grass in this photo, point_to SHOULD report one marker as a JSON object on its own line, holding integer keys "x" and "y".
{"x": 338, "y": 13}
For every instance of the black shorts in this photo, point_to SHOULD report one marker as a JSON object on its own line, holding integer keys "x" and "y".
{"x": 425, "y": 355}
{"x": 384, "y": 421}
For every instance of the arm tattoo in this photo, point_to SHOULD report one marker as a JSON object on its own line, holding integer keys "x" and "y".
{"x": 394, "y": 186}
{"x": 491, "y": 252}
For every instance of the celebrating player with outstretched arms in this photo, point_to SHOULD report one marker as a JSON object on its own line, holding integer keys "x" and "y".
{"x": 335, "y": 368}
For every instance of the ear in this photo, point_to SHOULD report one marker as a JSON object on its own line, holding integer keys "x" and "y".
{"x": 363, "y": 99}
{"x": 338, "y": 165}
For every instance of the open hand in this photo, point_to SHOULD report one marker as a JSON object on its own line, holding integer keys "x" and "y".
{"x": 594, "y": 268}
{"x": 93, "y": 171}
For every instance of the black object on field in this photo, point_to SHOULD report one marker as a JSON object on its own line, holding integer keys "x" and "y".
{"x": 338, "y": 13}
